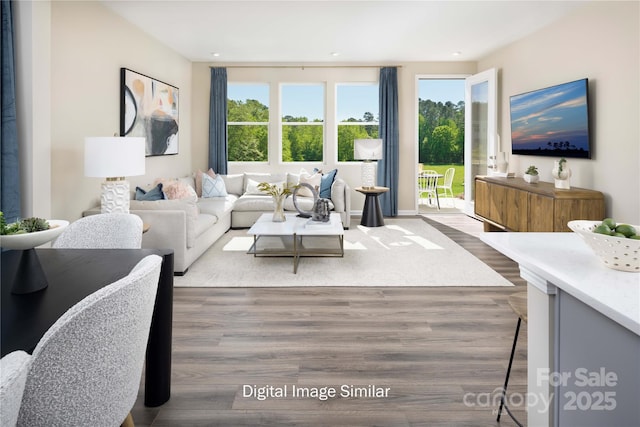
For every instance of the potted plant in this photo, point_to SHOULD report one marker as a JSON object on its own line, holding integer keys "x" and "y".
{"x": 531, "y": 174}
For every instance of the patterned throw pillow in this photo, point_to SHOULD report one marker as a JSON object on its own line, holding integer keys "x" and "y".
{"x": 213, "y": 187}
{"x": 198, "y": 177}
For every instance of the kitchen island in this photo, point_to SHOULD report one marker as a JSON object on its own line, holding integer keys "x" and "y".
{"x": 583, "y": 332}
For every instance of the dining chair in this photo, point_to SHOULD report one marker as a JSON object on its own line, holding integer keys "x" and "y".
{"x": 446, "y": 187}
{"x": 518, "y": 303}
{"x": 13, "y": 376}
{"x": 427, "y": 184}
{"x": 102, "y": 231}
{"x": 86, "y": 369}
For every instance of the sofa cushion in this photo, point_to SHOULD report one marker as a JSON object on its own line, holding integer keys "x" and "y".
{"x": 213, "y": 187}
{"x": 203, "y": 223}
{"x": 234, "y": 183}
{"x": 264, "y": 177}
{"x": 218, "y": 206}
{"x": 187, "y": 205}
{"x": 253, "y": 189}
{"x": 251, "y": 202}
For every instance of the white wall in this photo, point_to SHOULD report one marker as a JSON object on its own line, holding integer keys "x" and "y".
{"x": 89, "y": 45}
{"x": 341, "y": 73}
{"x": 601, "y": 42}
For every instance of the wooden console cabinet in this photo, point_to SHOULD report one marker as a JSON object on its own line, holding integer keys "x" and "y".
{"x": 512, "y": 204}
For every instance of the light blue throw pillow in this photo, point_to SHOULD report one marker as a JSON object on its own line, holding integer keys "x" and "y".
{"x": 326, "y": 182}
{"x": 213, "y": 187}
{"x": 154, "y": 194}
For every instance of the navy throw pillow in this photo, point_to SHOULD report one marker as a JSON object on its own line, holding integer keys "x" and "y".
{"x": 154, "y": 194}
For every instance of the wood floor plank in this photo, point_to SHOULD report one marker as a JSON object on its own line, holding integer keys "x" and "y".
{"x": 442, "y": 352}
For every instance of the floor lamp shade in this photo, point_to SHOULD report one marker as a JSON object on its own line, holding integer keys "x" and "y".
{"x": 367, "y": 150}
{"x": 114, "y": 158}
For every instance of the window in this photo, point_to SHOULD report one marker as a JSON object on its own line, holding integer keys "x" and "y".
{"x": 248, "y": 122}
{"x": 302, "y": 112}
{"x": 357, "y": 110}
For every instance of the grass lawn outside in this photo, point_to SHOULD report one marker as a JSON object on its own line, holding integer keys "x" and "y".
{"x": 458, "y": 177}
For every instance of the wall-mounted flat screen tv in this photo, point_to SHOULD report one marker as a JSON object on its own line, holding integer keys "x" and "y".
{"x": 552, "y": 122}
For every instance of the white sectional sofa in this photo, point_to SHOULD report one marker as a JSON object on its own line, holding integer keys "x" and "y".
{"x": 191, "y": 225}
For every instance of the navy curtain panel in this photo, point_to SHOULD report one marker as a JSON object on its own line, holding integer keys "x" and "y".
{"x": 9, "y": 162}
{"x": 388, "y": 129}
{"x": 218, "y": 121}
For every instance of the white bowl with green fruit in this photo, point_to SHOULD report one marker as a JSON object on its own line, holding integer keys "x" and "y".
{"x": 617, "y": 244}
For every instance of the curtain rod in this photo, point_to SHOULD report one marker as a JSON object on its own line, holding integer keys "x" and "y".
{"x": 306, "y": 66}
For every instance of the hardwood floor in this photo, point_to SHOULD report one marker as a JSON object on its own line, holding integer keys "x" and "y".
{"x": 441, "y": 352}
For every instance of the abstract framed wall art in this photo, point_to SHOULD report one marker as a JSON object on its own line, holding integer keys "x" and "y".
{"x": 149, "y": 109}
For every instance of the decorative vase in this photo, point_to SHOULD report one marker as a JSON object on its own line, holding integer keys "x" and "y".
{"x": 503, "y": 164}
{"x": 278, "y": 210}
{"x": 561, "y": 174}
{"x": 531, "y": 179}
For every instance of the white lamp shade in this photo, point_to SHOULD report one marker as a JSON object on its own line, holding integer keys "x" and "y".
{"x": 367, "y": 149}
{"x": 112, "y": 157}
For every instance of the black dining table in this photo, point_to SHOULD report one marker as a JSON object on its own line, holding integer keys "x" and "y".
{"x": 73, "y": 274}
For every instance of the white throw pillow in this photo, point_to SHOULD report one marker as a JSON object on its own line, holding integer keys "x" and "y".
{"x": 307, "y": 178}
{"x": 213, "y": 187}
{"x": 252, "y": 188}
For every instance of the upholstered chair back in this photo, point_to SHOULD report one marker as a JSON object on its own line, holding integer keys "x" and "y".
{"x": 102, "y": 231}
{"x": 13, "y": 376}
{"x": 86, "y": 369}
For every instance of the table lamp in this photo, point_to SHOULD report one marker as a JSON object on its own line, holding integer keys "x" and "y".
{"x": 114, "y": 158}
{"x": 367, "y": 150}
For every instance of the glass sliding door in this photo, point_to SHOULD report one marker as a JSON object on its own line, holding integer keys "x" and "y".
{"x": 480, "y": 130}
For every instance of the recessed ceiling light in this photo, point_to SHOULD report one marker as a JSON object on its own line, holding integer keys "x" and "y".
{"x": 456, "y": 53}
{"x": 215, "y": 54}
{"x": 335, "y": 53}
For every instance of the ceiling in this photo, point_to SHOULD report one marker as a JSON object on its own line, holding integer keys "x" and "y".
{"x": 326, "y": 31}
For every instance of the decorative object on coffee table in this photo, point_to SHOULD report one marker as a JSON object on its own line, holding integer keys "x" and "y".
{"x": 561, "y": 174}
{"x": 302, "y": 213}
{"x": 279, "y": 194}
{"x": 531, "y": 175}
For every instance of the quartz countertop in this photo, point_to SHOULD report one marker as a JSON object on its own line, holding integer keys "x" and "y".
{"x": 565, "y": 261}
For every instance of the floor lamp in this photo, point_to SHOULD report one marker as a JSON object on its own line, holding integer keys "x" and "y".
{"x": 114, "y": 158}
{"x": 367, "y": 150}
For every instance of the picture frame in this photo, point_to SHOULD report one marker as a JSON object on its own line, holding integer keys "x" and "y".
{"x": 149, "y": 109}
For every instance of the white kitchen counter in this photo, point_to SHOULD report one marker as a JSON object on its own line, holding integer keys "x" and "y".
{"x": 583, "y": 317}
{"x": 564, "y": 260}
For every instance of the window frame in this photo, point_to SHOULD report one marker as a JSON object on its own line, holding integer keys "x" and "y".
{"x": 267, "y": 124}
{"x": 282, "y": 123}
{"x": 339, "y": 123}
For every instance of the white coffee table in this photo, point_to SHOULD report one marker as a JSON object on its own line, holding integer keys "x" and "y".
{"x": 297, "y": 237}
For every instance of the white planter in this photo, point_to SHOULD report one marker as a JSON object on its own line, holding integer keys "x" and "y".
{"x": 531, "y": 179}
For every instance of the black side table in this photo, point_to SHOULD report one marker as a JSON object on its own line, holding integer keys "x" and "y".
{"x": 372, "y": 213}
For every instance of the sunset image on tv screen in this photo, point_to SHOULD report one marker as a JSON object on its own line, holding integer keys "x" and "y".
{"x": 551, "y": 122}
